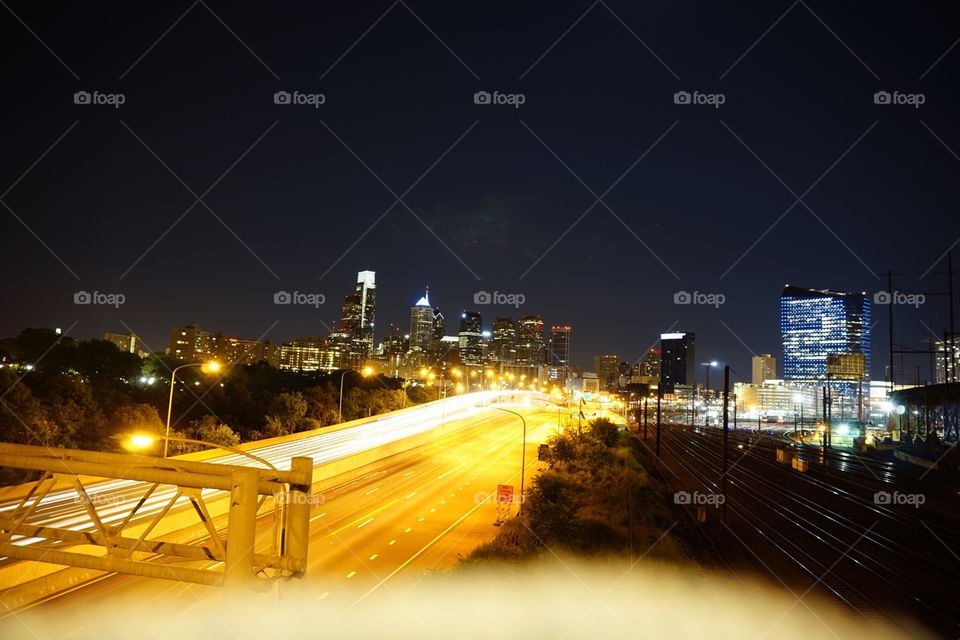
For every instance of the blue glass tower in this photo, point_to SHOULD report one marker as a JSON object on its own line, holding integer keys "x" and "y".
{"x": 826, "y": 339}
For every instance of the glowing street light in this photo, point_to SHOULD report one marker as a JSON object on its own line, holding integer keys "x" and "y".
{"x": 365, "y": 372}
{"x": 140, "y": 441}
{"x": 211, "y": 366}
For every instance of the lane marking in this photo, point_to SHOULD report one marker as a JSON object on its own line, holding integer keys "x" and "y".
{"x": 392, "y": 542}
{"x": 411, "y": 495}
{"x": 364, "y": 523}
{"x": 351, "y": 574}
{"x": 374, "y": 556}
{"x": 407, "y": 530}
{"x": 323, "y": 595}
{"x": 318, "y": 517}
{"x": 374, "y": 490}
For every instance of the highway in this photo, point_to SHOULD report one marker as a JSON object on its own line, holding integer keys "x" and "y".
{"x": 415, "y": 513}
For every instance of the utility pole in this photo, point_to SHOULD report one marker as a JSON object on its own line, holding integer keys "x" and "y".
{"x": 726, "y": 429}
{"x": 659, "y": 397}
{"x": 646, "y": 402}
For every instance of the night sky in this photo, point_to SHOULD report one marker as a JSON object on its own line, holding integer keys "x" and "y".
{"x": 297, "y": 198}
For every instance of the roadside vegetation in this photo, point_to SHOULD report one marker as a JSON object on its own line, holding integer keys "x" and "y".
{"x": 593, "y": 499}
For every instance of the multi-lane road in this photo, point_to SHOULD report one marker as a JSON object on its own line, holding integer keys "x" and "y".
{"x": 415, "y": 512}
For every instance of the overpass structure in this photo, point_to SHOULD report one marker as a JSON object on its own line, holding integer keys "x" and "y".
{"x": 147, "y": 512}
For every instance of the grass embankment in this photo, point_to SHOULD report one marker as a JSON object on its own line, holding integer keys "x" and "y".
{"x": 593, "y": 499}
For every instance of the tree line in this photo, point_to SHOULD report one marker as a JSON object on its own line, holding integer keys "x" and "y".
{"x": 62, "y": 392}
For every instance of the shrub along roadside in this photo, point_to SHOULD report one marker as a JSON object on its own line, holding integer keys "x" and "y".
{"x": 593, "y": 499}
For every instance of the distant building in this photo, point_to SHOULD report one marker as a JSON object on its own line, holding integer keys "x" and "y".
{"x": 421, "y": 324}
{"x": 190, "y": 344}
{"x": 530, "y": 347}
{"x": 558, "y": 354}
{"x": 358, "y": 317}
{"x": 503, "y": 342}
{"x": 826, "y": 339}
{"x": 677, "y": 357}
{"x": 607, "y": 368}
{"x": 124, "y": 342}
{"x": 946, "y": 363}
{"x": 301, "y": 354}
{"x": 230, "y": 350}
{"x": 470, "y": 338}
{"x": 649, "y": 366}
{"x": 764, "y": 368}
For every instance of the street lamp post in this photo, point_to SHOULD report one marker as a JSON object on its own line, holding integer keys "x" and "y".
{"x": 212, "y": 366}
{"x": 523, "y": 455}
{"x": 367, "y": 371}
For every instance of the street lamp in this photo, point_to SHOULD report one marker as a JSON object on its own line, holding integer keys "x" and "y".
{"x": 797, "y": 400}
{"x": 211, "y": 366}
{"x": 523, "y": 455}
{"x": 365, "y": 372}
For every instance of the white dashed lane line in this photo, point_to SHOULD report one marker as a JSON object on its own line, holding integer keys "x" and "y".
{"x": 351, "y": 574}
{"x": 392, "y": 542}
{"x": 365, "y": 523}
{"x": 407, "y": 530}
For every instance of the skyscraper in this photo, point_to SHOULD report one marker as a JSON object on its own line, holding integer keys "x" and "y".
{"x": 677, "y": 357}
{"x": 358, "y": 316}
{"x": 421, "y": 324}
{"x": 471, "y": 338}
{"x": 826, "y": 336}
{"x": 558, "y": 354}
{"x": 503, "y": 343}
{"x": 530, "y": 347}
{"x": 764, "y": 367}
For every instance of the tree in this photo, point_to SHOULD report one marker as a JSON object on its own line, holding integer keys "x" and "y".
{"x": 605, "y": 431}
{"x": 137, "y": 417}
{"x": 209, "y": 429}
{"x": 286, "y": 413}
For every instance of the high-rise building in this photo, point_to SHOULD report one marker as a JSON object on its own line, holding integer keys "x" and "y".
{"x": 530, "y": 347}
{"x": 471, "y": 338}
{"x": 649, "y": 366}
{"x": 503, "y": 342}
{"x": 122, "y": 341}
{"x": 358, "y": 317}
{"x": 826, "y": 336}
{"x": 946, "y": 363}
{"x": 190, "y": 344}
{"x": 677, "y": 357}
{"x": 764, "y": 368}
{"x": 607, "y": 368}
{"x": 558, "y": 354}
{"x": 421, "y": 324}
